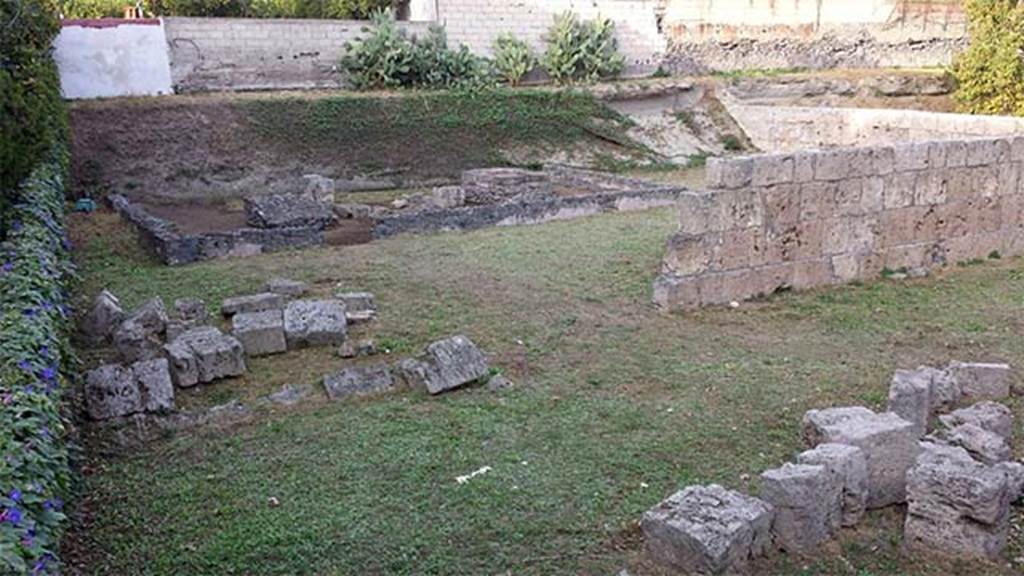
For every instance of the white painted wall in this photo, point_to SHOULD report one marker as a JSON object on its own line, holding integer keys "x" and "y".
{"x": 422, "y": 10}
{"x": 107, "y": 58}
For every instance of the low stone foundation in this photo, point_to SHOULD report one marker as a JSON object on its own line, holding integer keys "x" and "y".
{"x": 822, "y": 217}
{"x": 174, "y": 248}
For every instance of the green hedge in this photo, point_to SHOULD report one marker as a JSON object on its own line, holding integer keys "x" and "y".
{"x": 327, "y": 9}
{"x": 34, "y": 357}
{"x": 31, "y": 111}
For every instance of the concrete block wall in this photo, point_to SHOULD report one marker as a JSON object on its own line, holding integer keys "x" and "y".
{"x": 476, "y": 23}
{"x": 823, "y": 217}
{"x": 254, "y": 54}
{"x": 788, "y": 128}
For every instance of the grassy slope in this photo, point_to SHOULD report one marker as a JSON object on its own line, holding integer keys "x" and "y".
{"x": 616, "y": 407}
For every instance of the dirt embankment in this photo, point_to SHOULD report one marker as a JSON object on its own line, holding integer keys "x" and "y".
{"x": 229, "y": 145}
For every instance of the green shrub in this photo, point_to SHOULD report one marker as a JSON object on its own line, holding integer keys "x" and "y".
{"x": 324, "y": 9}
{"x": 513, "y": 58}
{"x": 990, "y": 73}
{"x": 31, "y": 111}
{"x": 389, "y": 58}
{"x": 93, "y": 8}
{"x": 582, "y": 51}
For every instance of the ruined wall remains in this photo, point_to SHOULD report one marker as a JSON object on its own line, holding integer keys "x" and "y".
{"x": 255, "y": 54}
{"x": 822, "y": 217}
{"x": 718, "y": 35}
{"x": 786, "y": 129}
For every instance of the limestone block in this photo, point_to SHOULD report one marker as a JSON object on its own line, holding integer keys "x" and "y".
{"x": 359, "y": 381}
{"x": 1015, "y": 476}
{"x": 153, "y": 379}
{"x": 817, "y": 200}
{"x": 979, "y": 381}
{"x": 103, "y": 318}
{"x": 848, "y": 467}
{"x": 945, "y": 390}
{"x": 111, "y": 391}
{"x": 192, "y": 310}
{"x": 285, "y": 287}
{"x": 832, "y": 165}
{"x": 888, "y": 441}
{"x": 956, "y": 506}
{"x": 908, "y": 157}
{"x": 359, "y": 306}
{"x": 205, "y": 354}
{"x": 910, "y": 398}
{"x": 707, "y": 530}
{"x": 987, "y": 151}
{"x": 688, "y": 254}
{"x": 252, "y": 303}
{"x": 285, "y": 211}
{"x": 729, "y": 172}
{"x": 446, "y": 365}
{"x": 806, "y": 503}
{"x": 991, "y": 416}
{"x": 984, "y": 446}
{"x": 261, "y": 333}
{"x": 671, "y": 292}
{"x": 771, "y": 169}
{"x": 140, "y": 335}
{"x": 314, "y": 323}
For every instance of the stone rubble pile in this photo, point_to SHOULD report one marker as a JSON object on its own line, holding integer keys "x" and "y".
{"x": 161, "y": 350}
{"x": 951, "y": 465}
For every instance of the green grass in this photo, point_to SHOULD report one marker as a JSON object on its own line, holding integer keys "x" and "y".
{"x": 616, "y": 406}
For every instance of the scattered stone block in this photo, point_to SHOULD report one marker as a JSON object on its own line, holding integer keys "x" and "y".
{"x": 359, "y": 306}
{"x": 448, "y": 196}
{"x": 1015, "y": 476}
{"x": 314, "y": 323}
{"x": 945, "y": 391}
{"x": 910, "y": 398}
{"x": 140, "y": 335}
{"x": 290, "y": 395}
{"x": 849, "y": 468}
{"x": 707, "y": 530}
{"x": 286, "y": 211}
{"x": 111, "y": 391}
{"x": 204, "y": 354}
{"x": 359, "y": 381}
{"x": 991, "y": 416}
{"x": 365, "y": 347}
{"x": 888, "y": 441}
{"x": 984, "y": 446}
{"x": 156, "y": 391}
{"x": 446, "y": 365}
{"x": 191, "y": 310}
{"x": 104, "y": 317}
{"x": 252, "y": 303}
{"x": 956, "y": 506}
{"x": 499, "y": 382}
{"x": 318, "y": 188}
{"x": 285, "y": 287}
{"x": 261, "y": 333}
{"x": 806, "y": 500}
{"x": 980, "y": 381}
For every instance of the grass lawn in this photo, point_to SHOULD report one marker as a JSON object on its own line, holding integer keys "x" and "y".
{"x": 616, "y": 406}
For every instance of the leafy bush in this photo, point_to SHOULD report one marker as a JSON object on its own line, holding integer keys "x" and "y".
{"x": 389, "y": 58}
{"x": 93, "y": 8}
{"x": 34, "y": 355}
{"x": 582, "y": 51}
{"x": 990, "y": 73}
{"x": 513, "y": 58}
{"x": 31, "y": 111}
{"x": 325, "y": 9}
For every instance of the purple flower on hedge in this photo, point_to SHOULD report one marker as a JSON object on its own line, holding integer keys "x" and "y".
{"x": 25, "y": 365}
{"x": 16, "y": 226}
{"x": 8, "y": 266}
{"x": 30, "y": 312}
{"x": 49, "y": 373}
{"x": 15, "y": 495}
{"x": 12, "y": 515}
{"x": 44, "y": 351}
{"x": 55, "y": 504}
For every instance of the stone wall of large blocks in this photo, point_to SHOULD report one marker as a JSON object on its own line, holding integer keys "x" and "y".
{"x": 791, "y": 128}
{"x": 822, "y": 217}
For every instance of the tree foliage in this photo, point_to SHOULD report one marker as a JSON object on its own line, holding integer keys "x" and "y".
{"x": 990, "y": 73}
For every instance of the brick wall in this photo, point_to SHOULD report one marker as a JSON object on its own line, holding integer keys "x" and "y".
{"x": 823, "y": 217}
{"x": 477, "y": 23}
{"x": 252, "y": 54}
{"x": 789, "y": 128}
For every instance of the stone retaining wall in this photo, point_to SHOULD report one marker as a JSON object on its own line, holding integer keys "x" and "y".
{"x": 822, "y": 217}
{"x": 174, "y": 248}
{"x": 790, "y": 128}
